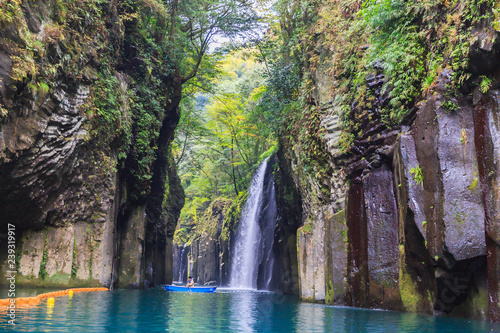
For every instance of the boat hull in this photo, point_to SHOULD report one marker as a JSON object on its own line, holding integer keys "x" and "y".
{"x": 192, "y": 289}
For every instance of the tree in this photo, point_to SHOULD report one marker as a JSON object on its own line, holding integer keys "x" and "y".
{"x": 225, "y": 138}
{"x": 176, "y": 36}
{"x": 195, "y": 23}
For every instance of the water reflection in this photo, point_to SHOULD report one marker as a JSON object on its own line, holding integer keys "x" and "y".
{"x": 50, "y": 311}
{"x": 243, "y": 311}
{"x": 156, "y": 310}
{"x": 312, "y": 317}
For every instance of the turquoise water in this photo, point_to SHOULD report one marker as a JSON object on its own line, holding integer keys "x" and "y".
{"x": 156, "y": 310}
{"x": 26, "y": 292}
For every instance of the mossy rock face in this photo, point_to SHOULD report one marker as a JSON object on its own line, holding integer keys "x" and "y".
{"x": 210, "y": 238}
{"x": 219, "y": 219}
{"x": 85, "y": 89}
{"x": 408, "y": 291}
{"x": 55, "y": 281}
{"x": 330, "y": 292}
{"x": 336, "y": 261}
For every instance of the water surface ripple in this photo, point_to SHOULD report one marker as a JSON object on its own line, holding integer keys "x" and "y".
{"x": 156, "y": 310}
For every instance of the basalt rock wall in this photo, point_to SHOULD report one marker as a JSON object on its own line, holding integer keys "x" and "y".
{"x": 411, "y": 218}
{"x": 70, "y": 167}
{"x": 289, "y": 217}
{"x": 209, "y": 250}
{"x": 207, "y": 253}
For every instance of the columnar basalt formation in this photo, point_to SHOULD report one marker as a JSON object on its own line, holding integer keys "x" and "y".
{"x": 416, "y": 227}
{"x": 84, "y": 160}
{"x": 210, "y": 250}
{"x": 207, "y": 254}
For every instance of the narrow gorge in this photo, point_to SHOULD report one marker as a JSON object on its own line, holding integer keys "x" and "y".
{"x": 349, "y": 153}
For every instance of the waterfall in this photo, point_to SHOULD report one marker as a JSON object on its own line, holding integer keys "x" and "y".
{"x": 252, "y": 259}
{"x": 182, "y": 265}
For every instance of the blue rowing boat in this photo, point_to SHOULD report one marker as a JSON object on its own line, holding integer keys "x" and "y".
{"x": 192, "y": 289}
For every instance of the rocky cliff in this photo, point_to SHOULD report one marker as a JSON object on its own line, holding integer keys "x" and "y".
{"x": 87, "y": 114}
{"x": 207, "y": 252}
{"x": 206, "y": 256}
{"x": 405, "y": 219}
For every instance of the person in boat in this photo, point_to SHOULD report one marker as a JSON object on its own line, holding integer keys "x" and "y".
{"x": 190, "y": 282}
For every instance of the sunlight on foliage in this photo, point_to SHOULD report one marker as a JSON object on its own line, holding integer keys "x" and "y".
{"x": 221, "y": 139}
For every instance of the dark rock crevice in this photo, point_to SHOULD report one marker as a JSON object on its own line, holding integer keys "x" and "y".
{"x": 289, "y": 216}
{"x": 486, "y": 113}
{"x": 455, "y": 281}
{"x": 357, "y": 267}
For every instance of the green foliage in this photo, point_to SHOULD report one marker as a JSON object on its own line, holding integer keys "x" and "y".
{"x": 74, "y": 266}
{"x": 109, "y": 121}
{"x": 226, "y": 209}
{"x": 205, "y": 19}
{"x": 193, "y": 209}
{"x": 307, "y": 228}
{"x": 181, "y": 236}
{"x": 232, "y": 214}
{"x": 397, "y": 46}
{"x": 268, "y": 153}
{"x": 450, "y": 106}
{"x": 147, "y": 110}
{"x": 25, "y": 50}
{"x": 418, "y": 175}
{"x": 485, "y": 84}
{"x": 43, "y": 273}
{"x": 463, "y": 137}
{"x": 282, "y": 89}
{"x": 221, "y": 136}
{"x": 473, "y": 185}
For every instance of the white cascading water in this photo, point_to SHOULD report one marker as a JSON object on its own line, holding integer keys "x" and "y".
{"x": 244, "y": 266}
{"x": 182, "y": 265}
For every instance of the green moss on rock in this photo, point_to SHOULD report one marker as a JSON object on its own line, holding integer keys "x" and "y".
{"x": 408, "y": 292}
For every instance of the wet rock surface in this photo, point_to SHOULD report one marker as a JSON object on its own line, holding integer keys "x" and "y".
{"x": 421, "y": 205}
{"x": 208, "y": 254}
{"x": 77, "y": 220}
{"x": 383, "y": 242}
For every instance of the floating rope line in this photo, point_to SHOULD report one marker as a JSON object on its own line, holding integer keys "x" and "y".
{"x": 27, "y": 301}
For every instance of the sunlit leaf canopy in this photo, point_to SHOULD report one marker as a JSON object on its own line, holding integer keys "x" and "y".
{"x": 220, "y": 138}
{"x": 194, "y": 24}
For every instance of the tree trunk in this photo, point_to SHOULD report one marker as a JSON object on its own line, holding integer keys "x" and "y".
{"x": 161, "y": 215}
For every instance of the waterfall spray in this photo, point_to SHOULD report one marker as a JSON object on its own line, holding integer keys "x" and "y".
{"x": 253, "y": 242}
